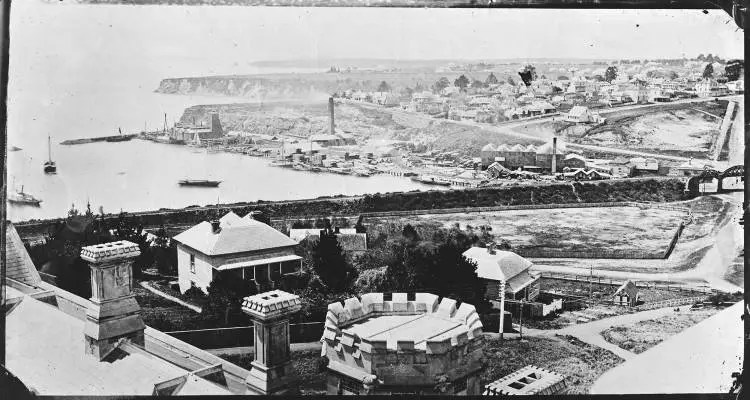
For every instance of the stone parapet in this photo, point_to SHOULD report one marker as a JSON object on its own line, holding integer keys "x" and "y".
{"x": 458, "y": 346}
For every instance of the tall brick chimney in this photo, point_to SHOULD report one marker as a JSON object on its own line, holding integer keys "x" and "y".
{"x": 216, "y": 130}
{"x": 113, "y": 313}
{"x": 330, "y": 110}
{"x": 554, "y": 155}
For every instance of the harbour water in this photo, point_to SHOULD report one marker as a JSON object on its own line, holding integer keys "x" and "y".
{"x": 142, "y": 175}
{"x": 78, "y": 79}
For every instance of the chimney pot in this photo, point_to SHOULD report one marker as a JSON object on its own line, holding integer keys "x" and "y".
{"x": 216, "y": 226}
{"x": 113, "y": 313}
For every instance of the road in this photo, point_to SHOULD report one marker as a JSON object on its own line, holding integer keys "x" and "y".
{"x": 590, "y": 332}
{"x": 726, "y": 243}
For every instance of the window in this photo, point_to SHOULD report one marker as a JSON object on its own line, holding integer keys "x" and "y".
{"x": 350, "y": 385}
{"x": 192, "y": 263}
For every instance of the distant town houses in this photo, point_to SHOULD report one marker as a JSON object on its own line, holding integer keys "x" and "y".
{"x": 500, "y": 100}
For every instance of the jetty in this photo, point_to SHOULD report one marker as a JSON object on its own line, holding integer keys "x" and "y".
{"x": 114, "y": 138}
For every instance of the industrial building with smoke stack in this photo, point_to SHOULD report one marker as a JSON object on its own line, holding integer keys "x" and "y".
{"x": 549, "y": 157}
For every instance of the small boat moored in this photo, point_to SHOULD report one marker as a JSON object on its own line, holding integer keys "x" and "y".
{"x": 20, "y": 197}
{"x": 49, "y": 166}
{"x": 199, "y": 182}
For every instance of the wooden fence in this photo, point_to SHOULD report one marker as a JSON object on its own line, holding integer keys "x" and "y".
{"x": 656, "y": 285}
{"x": 670, "y": 303}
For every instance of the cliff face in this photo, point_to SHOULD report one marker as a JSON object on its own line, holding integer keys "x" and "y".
{"x": 259, "y": 88}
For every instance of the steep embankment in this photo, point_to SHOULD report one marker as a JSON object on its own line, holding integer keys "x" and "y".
{"x": 651, "y": 190}
{"x": 290, "y": 86}
{"x": 364, "y": 121}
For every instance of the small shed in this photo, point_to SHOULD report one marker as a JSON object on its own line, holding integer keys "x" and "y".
{"x": 627, "y": 294}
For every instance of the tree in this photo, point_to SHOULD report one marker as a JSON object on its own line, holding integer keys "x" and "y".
{"x": 360, "y": 226}
{"x": 673, "y": 75}
{"x": 477, "y": 84}
{"x": 599, "y": 78}
{"x": 224, "y": 302}
{"x": 384, "y": 87}
{"x": 419, "y": 87}
{"x": 701, "y": 57}
{"x": 709, "y": 58}
{"x": 734, "y": 69}
{"x": 441, "y": 84}
{"x": 528, "y": 74}
{"x": 329, "y": 263}
{"x": 462, "y": 82}
{"x": 562, "y": 78}
{"x": 610, "y": 74}
{"x": 511, "y": 81}
{"x": 708, "y": 72}
{"x": 491, "y": 79}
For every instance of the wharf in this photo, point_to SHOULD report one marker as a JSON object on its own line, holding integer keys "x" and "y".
{"x": 114, "y": 138}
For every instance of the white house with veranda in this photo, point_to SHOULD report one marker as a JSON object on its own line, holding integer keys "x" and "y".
{"x": 242, "y": 248}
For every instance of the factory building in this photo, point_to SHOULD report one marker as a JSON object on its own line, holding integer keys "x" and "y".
{"x": 549, "y": 157}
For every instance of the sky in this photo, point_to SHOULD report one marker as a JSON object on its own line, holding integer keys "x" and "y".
{"x": 228, "y": 39}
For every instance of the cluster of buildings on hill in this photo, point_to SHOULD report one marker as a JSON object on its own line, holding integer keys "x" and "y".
{"x": 497, "y": 102}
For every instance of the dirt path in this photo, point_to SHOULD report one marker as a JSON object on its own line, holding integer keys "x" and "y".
{"x": 590, "y": 332}
{"x": 158, "y": 292}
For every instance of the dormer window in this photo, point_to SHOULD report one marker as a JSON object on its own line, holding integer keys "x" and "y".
{"x": 192, "y": 263}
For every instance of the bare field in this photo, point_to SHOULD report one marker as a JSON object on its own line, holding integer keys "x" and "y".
{"x": 687, "y": 129}
{"x": 573, "y": 229}
{"x": 678, "y": 129}
{"x": 644, "y": 335}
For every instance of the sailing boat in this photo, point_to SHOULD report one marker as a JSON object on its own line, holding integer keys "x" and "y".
{"x": 19, "y": 197}
{"x": 49, "y": 166}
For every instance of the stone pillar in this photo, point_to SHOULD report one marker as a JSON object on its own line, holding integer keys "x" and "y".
{"x": 113, "y": 313}
{"x": 272, "y": 371}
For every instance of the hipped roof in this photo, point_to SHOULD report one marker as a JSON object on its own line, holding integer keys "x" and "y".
{"x": 237, "y": 235}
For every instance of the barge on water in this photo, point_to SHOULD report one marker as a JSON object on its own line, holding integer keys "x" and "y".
{"x": 199, "y": 182}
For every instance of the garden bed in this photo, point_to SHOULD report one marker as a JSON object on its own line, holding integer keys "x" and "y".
{"x": 644, "y": 335}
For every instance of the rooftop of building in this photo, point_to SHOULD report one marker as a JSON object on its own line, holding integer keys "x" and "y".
{"x": 502, "y": 265}
{"x": 236, "y": 235}
{"x": 18, "y": 264}
{"x": 35, "y": 355}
